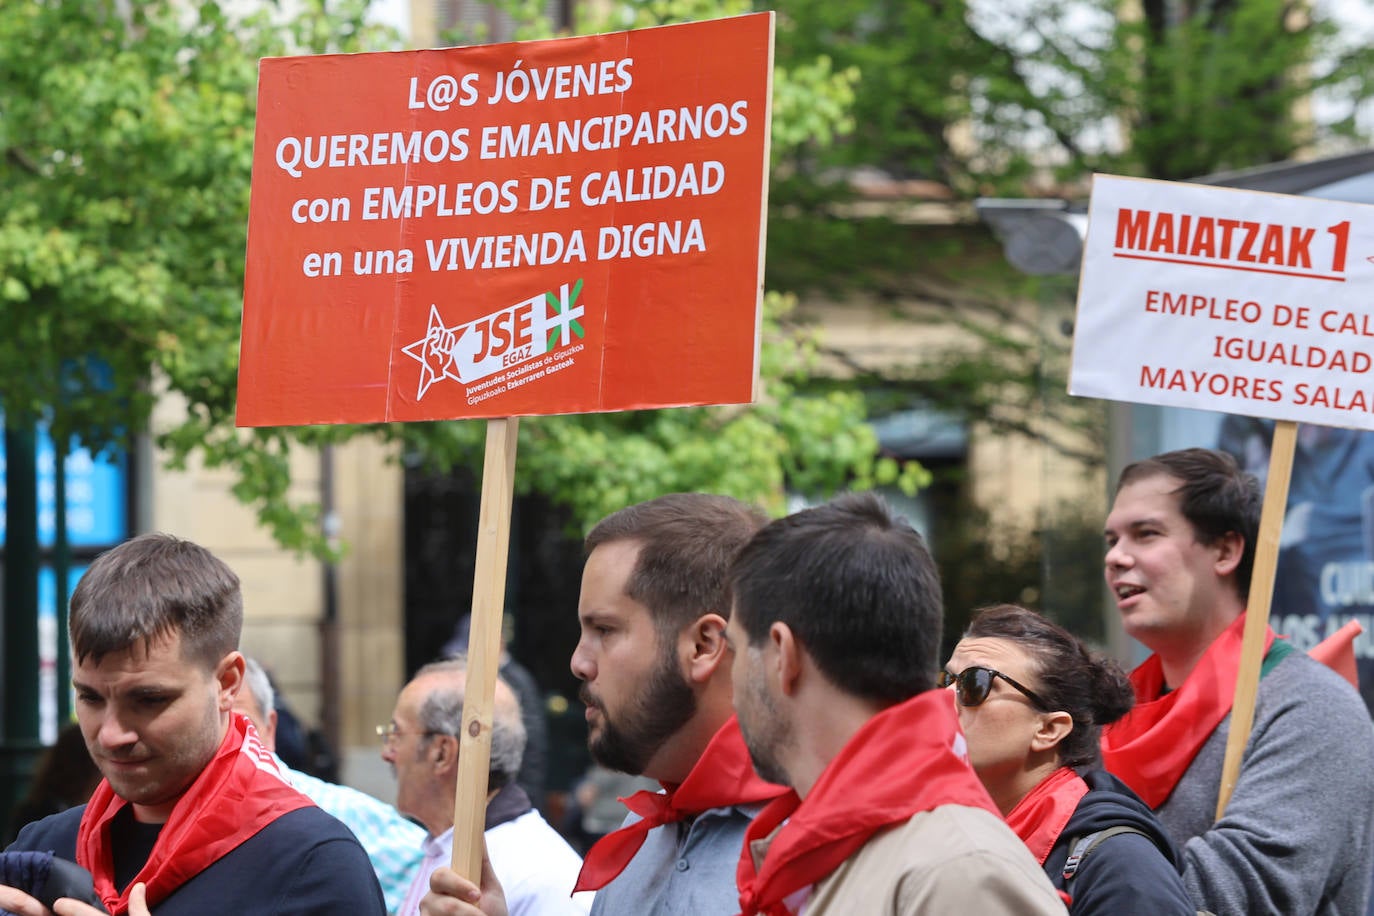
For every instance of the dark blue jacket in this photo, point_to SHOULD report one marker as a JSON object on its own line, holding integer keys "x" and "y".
{"x": 1126, "y": 874}
{"x": 304, "y": 862}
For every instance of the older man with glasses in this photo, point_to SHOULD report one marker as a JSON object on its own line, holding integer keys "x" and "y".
{"x": 534, "y": 864}
{"x": 392, "y": 843}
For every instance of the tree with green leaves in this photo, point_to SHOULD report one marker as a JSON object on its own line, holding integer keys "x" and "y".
{"x": 983, "y": 96}
{"x": 127, "y": 132}
{"x": 1019, "y": 100}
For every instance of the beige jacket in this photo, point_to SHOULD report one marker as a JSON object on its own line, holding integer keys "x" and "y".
{"x": 952, "y": 860}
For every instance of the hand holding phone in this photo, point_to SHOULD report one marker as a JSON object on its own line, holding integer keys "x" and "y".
{"x": 47, "y": 878}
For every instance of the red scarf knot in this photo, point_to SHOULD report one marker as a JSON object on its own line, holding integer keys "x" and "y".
{"x": 907, "y": 759}
{"x": 721, "y": 778}
{"x": 1153, "y": 746}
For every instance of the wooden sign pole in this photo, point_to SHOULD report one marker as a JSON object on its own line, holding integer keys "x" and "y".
{"x": 484, "y": 646}
{"x": 1257, "y": 613}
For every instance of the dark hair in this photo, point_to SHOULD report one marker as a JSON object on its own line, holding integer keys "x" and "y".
{"x": 686, "y": 542}
{"x": 857, "y": 588}
{"x": 150, "y": 587}
{"x": 1215, "y": 496}
{"x": 1093, "y": 689}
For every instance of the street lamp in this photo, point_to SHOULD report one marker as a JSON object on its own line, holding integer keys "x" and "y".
{"x": 1039, "y": 237}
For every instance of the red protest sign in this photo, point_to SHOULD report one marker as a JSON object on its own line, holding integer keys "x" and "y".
{"x": 540, "y": 227}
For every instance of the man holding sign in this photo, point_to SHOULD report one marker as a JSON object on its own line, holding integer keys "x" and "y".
{"x": 530, "y": 228}
{"x": 1298, "y": 833}
{"x": 655, "y": 669}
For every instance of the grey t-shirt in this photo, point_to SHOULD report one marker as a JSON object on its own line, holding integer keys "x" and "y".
{"x": 685, "y": 868}
{"x": 1298, "y": 834}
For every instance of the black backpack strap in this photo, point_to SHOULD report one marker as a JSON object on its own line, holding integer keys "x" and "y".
{"x": 1080, "y": 846}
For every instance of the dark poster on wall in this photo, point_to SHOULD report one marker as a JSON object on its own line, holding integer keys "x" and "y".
{"x": 1325, "y": 573}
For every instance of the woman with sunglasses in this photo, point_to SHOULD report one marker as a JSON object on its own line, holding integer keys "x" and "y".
{"x": 1032, "y": 700}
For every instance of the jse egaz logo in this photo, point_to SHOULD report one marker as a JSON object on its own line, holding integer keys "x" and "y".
{"x": 503, "y": 340}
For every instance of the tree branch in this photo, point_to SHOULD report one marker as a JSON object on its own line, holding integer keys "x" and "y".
{"x": 16, "y": 156}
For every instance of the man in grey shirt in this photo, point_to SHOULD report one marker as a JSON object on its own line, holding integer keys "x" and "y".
{"x": 1297, "y": 835}
{"x": 655, "y": 672}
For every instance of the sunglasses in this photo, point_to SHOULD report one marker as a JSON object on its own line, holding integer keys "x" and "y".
{"x": 973, "y": 684}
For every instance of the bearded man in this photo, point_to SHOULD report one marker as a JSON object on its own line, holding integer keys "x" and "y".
{"x": 655, "y": 672}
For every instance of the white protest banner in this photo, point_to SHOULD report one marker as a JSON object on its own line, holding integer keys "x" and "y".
{"x": 1235, "y": 301}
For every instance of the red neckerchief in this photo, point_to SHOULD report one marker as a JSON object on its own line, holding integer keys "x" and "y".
{"x": 1337, "y": 652}
{"x": 909, "y": 758}
{"x": 721, "y": 778}
{"x": 239, "y": 792}
{"x": 1152, "y": 747}
{"x": 1042, "y": 814}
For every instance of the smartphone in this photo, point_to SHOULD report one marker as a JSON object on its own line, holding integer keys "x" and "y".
{"x": 47, "y": 878}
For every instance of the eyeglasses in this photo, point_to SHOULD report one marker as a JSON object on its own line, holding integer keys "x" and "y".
{"x": 391, "y": 731}
{"x": 973, "y": 684}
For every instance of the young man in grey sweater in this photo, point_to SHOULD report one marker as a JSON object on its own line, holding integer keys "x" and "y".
{"x": 1297, "y": 836}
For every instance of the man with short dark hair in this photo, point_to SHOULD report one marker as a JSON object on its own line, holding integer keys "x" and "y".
{"x": 391, "y": 841}
{"x": 655, "y": 672}
{"x": 191, "y": 809}
{"x": 836, "y": 634}
{"x": 655, "y": 669}
{"x": 535, "y": 865}
{"x": 1297, "y": 836}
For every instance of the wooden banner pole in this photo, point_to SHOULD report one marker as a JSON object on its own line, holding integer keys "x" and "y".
{"x": 484, "y": 646}
{"x": 1257, "y": 612}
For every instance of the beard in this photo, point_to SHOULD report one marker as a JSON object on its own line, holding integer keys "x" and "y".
{"x": 766, "y": 765}
{"x": 761, "y": 725}
{"x": 663, "y": 704}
